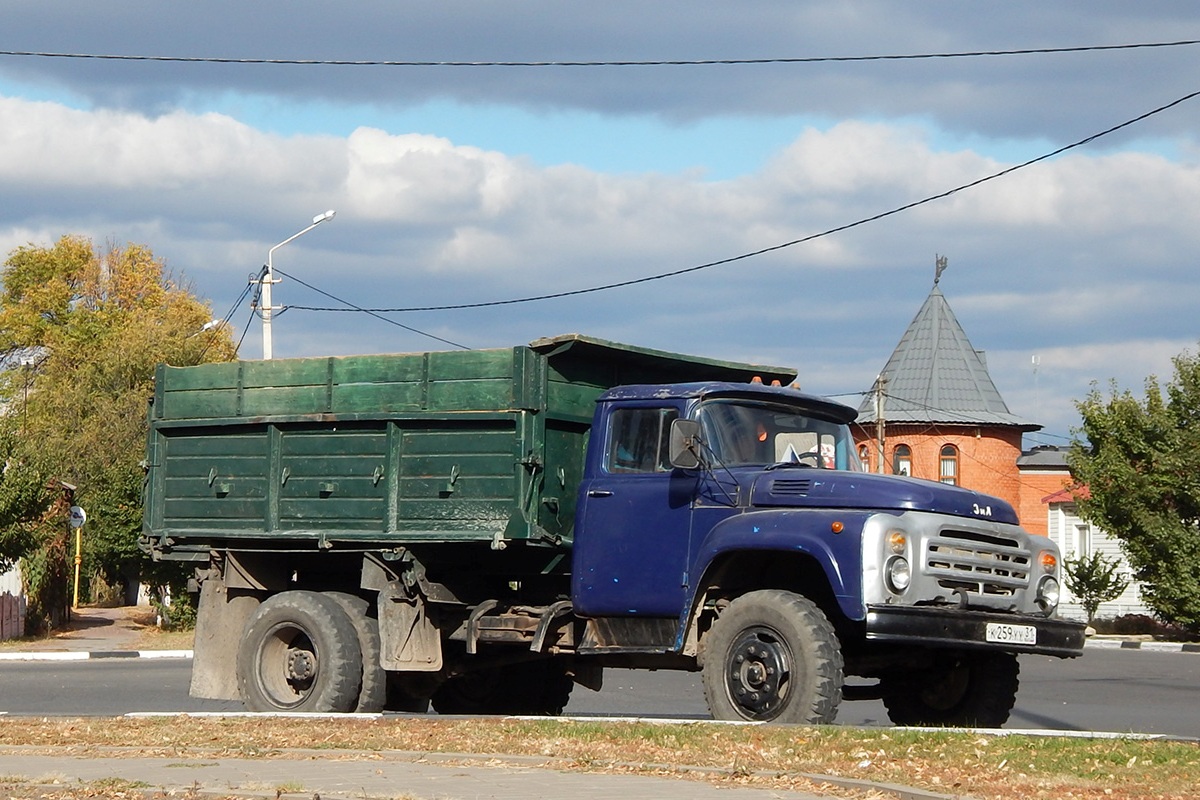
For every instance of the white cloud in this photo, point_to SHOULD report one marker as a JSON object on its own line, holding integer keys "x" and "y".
{"x": 418, "y": 179}
{"x": 44, "y": 143}
{"x": 1046, "y": 391}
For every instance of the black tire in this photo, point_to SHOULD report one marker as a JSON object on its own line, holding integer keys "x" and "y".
{"x": 529, "y": 688}
{"x": 964, "y": 690}
{"x": 299, "y": 652}
{"x": 773, "y": 656}
{"x": 372, "y": 695}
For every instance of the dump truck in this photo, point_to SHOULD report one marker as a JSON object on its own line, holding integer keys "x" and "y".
{"x": 481, "y": 530}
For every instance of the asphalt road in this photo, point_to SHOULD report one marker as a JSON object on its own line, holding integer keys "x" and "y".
{"x": 1105, "y": 690}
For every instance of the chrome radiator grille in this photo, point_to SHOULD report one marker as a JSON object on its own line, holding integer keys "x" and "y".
{"x": 977, "y": 563}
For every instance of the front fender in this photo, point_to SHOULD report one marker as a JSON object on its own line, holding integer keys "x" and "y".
{"x": 831, "y": 538}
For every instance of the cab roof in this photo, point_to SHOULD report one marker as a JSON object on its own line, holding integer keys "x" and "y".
{"x": 831, "y": 409}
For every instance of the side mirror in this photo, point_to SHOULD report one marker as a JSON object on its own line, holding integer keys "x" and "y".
{"x": 685, "y": 444}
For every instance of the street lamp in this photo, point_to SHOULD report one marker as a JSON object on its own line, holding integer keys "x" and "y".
{"x": 268, "y": 279}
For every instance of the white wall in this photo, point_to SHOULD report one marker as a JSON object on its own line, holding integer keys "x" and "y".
{"x": 11, "y": 581}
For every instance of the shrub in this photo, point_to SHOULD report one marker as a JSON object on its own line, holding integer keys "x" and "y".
{"x": 1094, "y": 579}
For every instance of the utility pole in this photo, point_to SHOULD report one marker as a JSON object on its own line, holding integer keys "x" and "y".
{"x": 880, "y": 382}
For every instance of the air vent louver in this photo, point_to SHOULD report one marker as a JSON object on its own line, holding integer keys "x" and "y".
{"x": 791, "y": 487}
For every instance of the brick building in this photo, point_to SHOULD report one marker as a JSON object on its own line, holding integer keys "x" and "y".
{"x": 942, "y": 417}
{"x": 944, "y": 420}
{"x": 1044, "y": 477}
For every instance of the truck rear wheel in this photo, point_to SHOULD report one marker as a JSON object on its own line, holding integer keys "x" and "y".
{"x": 533, "y": 688}
{"x": 299, "y": 652}
{"x": 967, "y": 690}
{"x": 773, "y": 656}
{"x": 373, "y": 694}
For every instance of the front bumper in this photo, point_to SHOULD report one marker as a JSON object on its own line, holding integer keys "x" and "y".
{"x": 962, "y": 629}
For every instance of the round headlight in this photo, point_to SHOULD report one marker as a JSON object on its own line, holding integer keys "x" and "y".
{"x": 1048, "y": 594}
{"x": 899, "y": 575}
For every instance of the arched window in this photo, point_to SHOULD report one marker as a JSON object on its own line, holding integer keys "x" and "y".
{"x": 902, "y": 460}
{"x": 949, "y": 459}
{"x": 864, "y": 457}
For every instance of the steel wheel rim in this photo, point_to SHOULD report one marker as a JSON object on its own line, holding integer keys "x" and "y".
{"x": 288, "y": 665}
{"x": 758, "y": 673}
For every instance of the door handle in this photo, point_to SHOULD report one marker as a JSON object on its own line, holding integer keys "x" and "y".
{"x": 599, "y": 493}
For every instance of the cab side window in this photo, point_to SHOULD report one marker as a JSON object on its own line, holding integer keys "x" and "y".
{"x": 639, "y": 439}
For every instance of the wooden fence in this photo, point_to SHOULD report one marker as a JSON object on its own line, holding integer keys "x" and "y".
{"x": 12, "y": 616}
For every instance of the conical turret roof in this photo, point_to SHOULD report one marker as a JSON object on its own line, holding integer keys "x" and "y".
{"x": 936, "y": 376}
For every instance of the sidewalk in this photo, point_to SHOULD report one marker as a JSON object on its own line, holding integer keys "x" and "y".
{"x": 122, "y": 632}
{"x": 360, "y": 776}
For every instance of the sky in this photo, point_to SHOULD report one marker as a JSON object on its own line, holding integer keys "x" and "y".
{"x": 460, "y": 184}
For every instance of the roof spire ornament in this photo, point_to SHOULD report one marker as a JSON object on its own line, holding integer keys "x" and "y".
{"x": 940, "y": 262}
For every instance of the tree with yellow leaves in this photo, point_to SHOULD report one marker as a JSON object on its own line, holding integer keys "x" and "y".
{"x": 80, "y": 335}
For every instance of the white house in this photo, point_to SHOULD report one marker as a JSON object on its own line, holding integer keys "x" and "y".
{"x": 1076, "y": 537}
{"x": 1048, "y": 507}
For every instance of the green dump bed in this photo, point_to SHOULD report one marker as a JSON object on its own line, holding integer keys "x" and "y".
{"x": 386, "y": 450}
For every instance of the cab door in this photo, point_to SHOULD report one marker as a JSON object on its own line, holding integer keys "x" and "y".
{"x": 634, "y": 523}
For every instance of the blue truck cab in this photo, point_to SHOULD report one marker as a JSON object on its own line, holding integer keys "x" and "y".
{"x": 732, "y": 523}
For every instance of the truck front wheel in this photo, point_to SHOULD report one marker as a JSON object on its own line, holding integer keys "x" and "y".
{"x": 967, "y": 690}
{"x": 773, "y": 656}
{"x": 299, "y": 652}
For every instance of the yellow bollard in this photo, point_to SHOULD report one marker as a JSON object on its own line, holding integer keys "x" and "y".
{"x": 78, "y": 561}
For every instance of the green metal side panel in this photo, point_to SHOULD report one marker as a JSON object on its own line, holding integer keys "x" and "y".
{"x": 401, "y": 481}
{"x": 333, "y": 479}
{"x": 457, "y": 478}
{"x": 565, "y": 448}
{"x": 474, "y": 380}
{"x": 214, "y": 479}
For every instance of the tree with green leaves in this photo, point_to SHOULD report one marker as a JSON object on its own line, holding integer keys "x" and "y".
{"x": 1094, "y": 579}
{"x": 1140, "y": 461}
{"x": 80, "y": 335}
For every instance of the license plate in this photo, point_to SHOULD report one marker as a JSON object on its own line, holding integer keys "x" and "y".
{"x": 1010, "y": 634}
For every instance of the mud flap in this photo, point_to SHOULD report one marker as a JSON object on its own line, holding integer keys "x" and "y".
{"x": 409, "y": 641}
{"x": 220, "y": 621}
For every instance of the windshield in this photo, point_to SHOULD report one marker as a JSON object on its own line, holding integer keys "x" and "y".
{"x": 740, "y": 432}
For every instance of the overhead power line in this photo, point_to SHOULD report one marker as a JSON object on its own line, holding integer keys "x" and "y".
{"x": 352, "y": 307}
{"x": 811, "y": 237}
{"x": 225, "y": 321}
{"x": 707, "y": 62}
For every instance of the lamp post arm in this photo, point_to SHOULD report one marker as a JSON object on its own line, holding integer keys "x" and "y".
{"x": 291, "y": 238}
{"x": 268, "y": 279}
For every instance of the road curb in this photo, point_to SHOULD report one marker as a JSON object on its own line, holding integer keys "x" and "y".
{"x": 1154, "y": 647}
{"x": 94, "y": 655}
